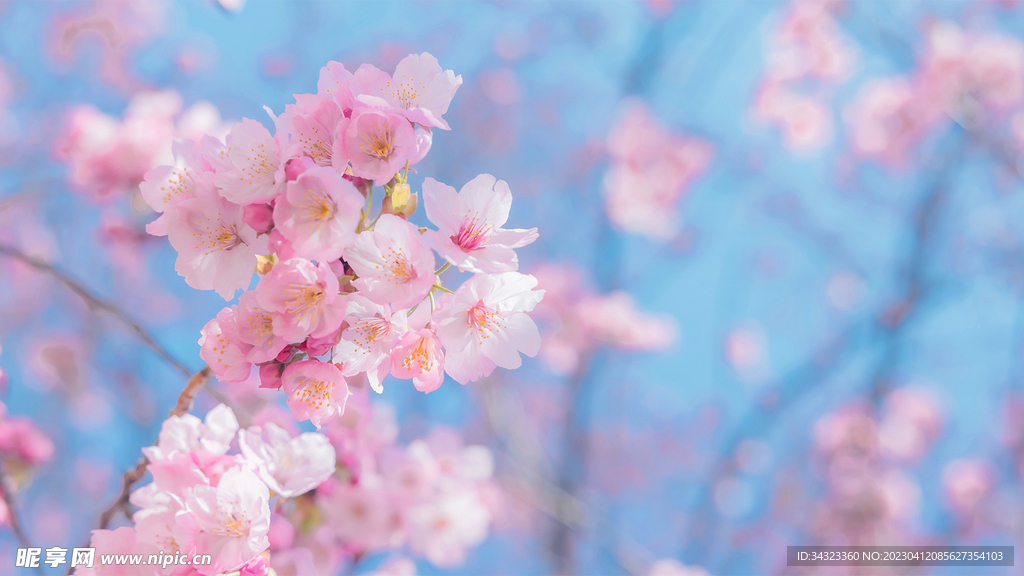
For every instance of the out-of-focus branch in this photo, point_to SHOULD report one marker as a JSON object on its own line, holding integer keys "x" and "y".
{"x": 510, "y": 426}
{"x": 94, "y": 302}
{"x": 181, "y": 407}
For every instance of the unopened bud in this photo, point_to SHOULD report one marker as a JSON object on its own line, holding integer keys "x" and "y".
{"x": 400, "y": 202}
{"x": 265, "y": 264}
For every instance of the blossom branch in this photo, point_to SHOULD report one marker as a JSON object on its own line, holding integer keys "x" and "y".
{"x": 181, "y": 407}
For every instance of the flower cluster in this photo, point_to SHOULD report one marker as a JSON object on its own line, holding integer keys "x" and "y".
{"x": 434, "y": 496}
{"x": 296, "y": 206}
{"x": 577, "y": 320}
{"x": 651, "y": 169}
{"x": 871, "y": 497}
{"x": 807, "y": 46}
{"x": 269, "y": 497}
{"x": 203, "y": 500}
{"x": 962, "y": 77}
{"x": 108, "y": 156}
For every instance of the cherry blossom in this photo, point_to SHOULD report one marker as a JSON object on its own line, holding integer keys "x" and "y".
{"x": 254, "y": 326}
{"x": 486, "y": 325}
{"x": 216, "y": 248}
{"x": 184, "y": 434}
{"x": 470, "y": 233}
{"x": 316, "y": 390}
{"x": 289, "y": 466}
{"x": 311, "y": 124}
{"x": 378, "y": 142}
{"x": 229, "y": 521}
{"x": 442, "y": 530}
{"x": 418, "y": 355}
{"x": 419, "y": 88}
{"x": 393, "y": 265}
{"x": 367, "y": 341}
{"x": 222, "y": 347}
{"x": 257, "y": 173}
{"x": 303, "y": 298}
{"x": 318, "y": 214}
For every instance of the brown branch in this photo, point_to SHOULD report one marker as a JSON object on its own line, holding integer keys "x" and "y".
{"x": 181, "y": 407}
{"x": 94, "y": 302}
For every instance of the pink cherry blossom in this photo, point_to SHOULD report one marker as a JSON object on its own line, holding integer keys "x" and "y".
{"x": 229, "y": 521}
{"x": 367, "y": 342}
{"x": 362, "y": 516}
{"x": 418, "y": 355}
{"x": 290, "y": 466}
{"x": 257, "y": 173}
{"x": 318, "y": 214}
{"x": 255, "y": 327}
{"x": 651, "y": 170}
{"x": 377, "y": 142}
{"x": 443, "y": 530}
{"x": 419, "y": 88}
{"x": 486, "y": 325}
{"x": 311, "y": 124}
{"x": 303, "y": 298}
{"x": 886, "y": 121}
{"x": 20, "y": 438}
{"x": 393, "y": 265}
{"x": 165, "y": 186}
{"x": 965, "y": 483}
{"x": 109, "y": 155}
{"x": 216, "y": 248}
{"x": 183, "y": 434}
{"x": 222, "y": 347}
{"x": 316, "y": 390}
{"x": 110, "y": 542}
{"x": 336, "y": 81}
{"x": 805, "y": 121}
{"x": 470, "y": 233}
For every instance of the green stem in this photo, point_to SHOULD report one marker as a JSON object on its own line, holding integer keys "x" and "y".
{"x": 443, "y": 268}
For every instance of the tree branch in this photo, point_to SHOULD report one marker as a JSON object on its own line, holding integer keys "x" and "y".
{"x": 181, "y": 407}
{"x": 94, "y": 302}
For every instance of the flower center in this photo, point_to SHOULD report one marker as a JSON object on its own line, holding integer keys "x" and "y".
{"x": 319, "y": 207}
{"x": 316, "y": 393}
{"x": 369, "y": 330}
{"x": 473, "y": 234}
{"x": 484, "y": 321}
{"x": 378, "y": 142}
{"x": 422, "y": 356}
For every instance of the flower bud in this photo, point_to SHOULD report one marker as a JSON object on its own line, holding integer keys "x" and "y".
{"x": 259, "y": 216}
{"x": 400, "y": 202}
{"x": 297, "y": 166}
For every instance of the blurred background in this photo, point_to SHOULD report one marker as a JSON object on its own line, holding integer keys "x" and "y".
{"x": 781, "y": 245}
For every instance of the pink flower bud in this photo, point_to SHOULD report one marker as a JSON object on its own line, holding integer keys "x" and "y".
{"x": 259, "y": 216}
{"x": 270, "y": 373}
{"x": 297, "y": 166}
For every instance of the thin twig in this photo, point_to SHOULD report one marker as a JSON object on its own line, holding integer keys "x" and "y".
{"x": 96, "y": 303}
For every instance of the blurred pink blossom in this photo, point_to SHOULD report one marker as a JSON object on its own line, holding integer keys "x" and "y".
{"x": 574, "y": 320}
{"x": 651, "y": 170}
